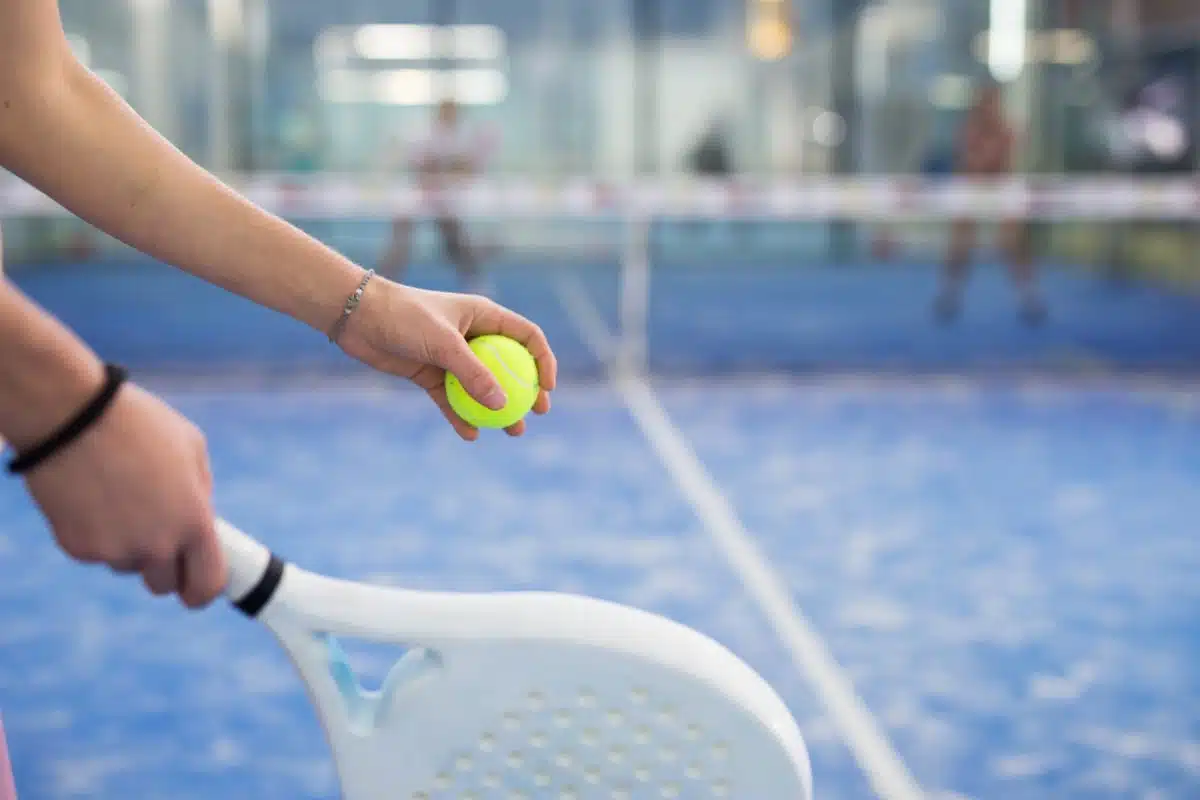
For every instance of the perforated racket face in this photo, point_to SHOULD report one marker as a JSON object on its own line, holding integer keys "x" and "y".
{"x": 623, "y": 742}
{"x": 520, "y": 722}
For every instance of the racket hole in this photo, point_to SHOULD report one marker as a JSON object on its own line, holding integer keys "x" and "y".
{"x": 591, "y": 775}
{"x": 720, "y": 788}
{"x": 693, "y": 732}
{"x": 667, "y": 755}
{"x": 587, "y": 698}
{"x": 669, "y": 791}
{"x": 491, "y": 780}
{"x": 512, "y": 720}
{"x": 538, "y": 740}
{"x": 464, "y": 764}
{"x": 590, "y": 737}
{"x": 640, "y": 696}
{"x": 692, "y": 771}
{"x": 515, "y": 759}
{"x": 442, "y": 781}
{"x": 641, "y": 734}
{"x": 642, "y": 774}
{"x": 536, "y": 701}
{"x": 564, "y": 761}
{"x": 666, "y": 715}
{"x": 616, "y": 755}
{"x": 568, "y": 793}
{"x": 615, "y": 718}
{"x": 720, "y": 751}
{"x": 541, "y": 779}
{"x": 562, "y": 718}
{"x": 487, "y": 743}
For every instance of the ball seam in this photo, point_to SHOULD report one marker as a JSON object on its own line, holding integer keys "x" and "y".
{"x": 500, "y": 360}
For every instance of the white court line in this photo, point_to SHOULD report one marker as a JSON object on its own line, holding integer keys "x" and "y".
{"x": 884, "y": 768}
{"x": 587, "y": 319}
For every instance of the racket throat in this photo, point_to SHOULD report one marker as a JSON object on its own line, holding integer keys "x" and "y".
{"x": 367, "y": 710}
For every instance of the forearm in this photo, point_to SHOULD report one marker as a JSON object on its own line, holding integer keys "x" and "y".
{"x": 46, "y": 373}
{"x": 82, "y": 145}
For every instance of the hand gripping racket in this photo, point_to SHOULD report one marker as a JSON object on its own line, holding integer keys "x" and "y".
{"x": 520, "y": 696}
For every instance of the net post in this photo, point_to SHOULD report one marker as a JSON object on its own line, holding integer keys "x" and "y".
{"x": 632, "y": 353}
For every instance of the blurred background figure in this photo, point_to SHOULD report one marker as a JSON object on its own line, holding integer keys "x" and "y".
{"x": 711, "y": 156}
{"x": 986, "y": 151}
{"x": 443, "y": 160}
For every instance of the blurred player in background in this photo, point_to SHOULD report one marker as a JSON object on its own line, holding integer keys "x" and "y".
{"x": 986, "y": 149}
{"x": 444, "y": 159}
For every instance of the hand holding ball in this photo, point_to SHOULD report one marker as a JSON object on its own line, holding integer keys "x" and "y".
{"x": 516, "y": 371}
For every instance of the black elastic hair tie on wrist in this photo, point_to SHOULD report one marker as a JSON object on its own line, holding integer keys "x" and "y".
{"x": 114, "y": 376}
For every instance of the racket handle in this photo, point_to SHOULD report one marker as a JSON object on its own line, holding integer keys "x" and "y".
{"x": 247, "y": 560}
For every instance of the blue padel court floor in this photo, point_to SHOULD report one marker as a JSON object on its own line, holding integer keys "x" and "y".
{"x": 1006, "y": 568}
{"x": 701, "y": 320}
{"x": 1007, "y": 574}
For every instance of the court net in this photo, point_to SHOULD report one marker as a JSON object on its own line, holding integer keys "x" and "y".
{"x": 692, "y": 277}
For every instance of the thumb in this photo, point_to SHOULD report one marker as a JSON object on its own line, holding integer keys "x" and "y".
{"x": 455, "y": 356}
{"x": 204, "y": 569}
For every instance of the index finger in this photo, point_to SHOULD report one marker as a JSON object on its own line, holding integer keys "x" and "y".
{"x": 511, "y": 324}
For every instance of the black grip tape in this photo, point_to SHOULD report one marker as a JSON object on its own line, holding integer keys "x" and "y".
{"x": 258, "y": 597}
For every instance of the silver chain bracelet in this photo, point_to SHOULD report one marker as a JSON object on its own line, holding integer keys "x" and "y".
{"x": 351, "y": 304}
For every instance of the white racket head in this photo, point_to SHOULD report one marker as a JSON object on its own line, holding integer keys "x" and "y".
{"x": 523, "y": 695}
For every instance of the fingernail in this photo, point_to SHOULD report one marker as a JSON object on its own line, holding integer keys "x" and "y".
{"x": 495, "y": 399}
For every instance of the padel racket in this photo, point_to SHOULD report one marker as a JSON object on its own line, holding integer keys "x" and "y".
{"x": 518, "y": 696}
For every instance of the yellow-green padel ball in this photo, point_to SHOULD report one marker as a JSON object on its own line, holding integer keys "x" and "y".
{"x": 515, "y": 369}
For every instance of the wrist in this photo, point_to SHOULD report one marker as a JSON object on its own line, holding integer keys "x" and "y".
{"x": 79, "y": 423}
{"x": 43, "y": 401}
{"x": 46, "y": 375}
{"x": 383, "y": 305}
{"x": 350, "y": 307}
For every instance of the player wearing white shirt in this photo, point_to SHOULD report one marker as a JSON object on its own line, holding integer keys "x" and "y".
{"x": 447, "y": 155}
